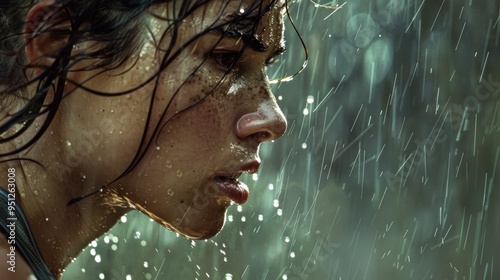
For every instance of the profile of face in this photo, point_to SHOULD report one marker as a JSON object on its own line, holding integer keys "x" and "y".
{"x": 191, "y": 131}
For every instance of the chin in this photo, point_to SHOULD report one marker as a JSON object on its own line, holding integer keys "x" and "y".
{"x": 201, "y": 228}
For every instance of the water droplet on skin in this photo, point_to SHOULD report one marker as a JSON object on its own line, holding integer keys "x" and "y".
{"x": 179, "y": 173}
{"x": 35, "y": 192}
{"x": 170, "y": 192}
{"x": 169, "y": 164}
{"x": 157, "y": 148}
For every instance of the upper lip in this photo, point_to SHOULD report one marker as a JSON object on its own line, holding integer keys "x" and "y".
{"x": 233, "y": 173}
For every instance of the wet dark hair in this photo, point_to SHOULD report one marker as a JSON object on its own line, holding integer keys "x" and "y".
{"x": 118, "y": 27}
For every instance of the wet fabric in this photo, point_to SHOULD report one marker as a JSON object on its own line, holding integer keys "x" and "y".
{"x": 24, "y": 242}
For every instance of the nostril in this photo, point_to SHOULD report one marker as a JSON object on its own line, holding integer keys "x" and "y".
{"x": 263, "y": 136}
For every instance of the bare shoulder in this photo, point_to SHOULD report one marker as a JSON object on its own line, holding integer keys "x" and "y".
{"x": 12, "y": 264}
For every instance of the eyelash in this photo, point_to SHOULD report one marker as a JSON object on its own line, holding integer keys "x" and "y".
{"x": 235, "y": 57}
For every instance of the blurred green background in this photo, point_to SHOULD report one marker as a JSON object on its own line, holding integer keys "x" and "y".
{"x": 389, "y": 168}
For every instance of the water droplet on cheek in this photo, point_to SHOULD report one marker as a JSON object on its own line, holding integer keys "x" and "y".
{"x": 168, "y": 164}
{"x": 170, "y": 192}
{"x": 179, "y": 173}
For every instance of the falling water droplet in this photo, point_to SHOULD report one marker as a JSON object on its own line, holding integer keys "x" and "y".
{"x": 310, "y": 99}
{"x": 276, "y": 203}
{"x": 137, "y": 235}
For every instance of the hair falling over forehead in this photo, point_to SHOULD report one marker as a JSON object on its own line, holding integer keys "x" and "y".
{"x": 118, "y": 29}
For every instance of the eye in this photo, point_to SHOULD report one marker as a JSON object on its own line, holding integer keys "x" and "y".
{"x": 226, "y": 60}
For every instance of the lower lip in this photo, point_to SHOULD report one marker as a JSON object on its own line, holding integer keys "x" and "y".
{"x": 235, "y": 190}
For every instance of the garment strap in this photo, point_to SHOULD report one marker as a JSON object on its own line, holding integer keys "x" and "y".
{"x": 23, "y": 238}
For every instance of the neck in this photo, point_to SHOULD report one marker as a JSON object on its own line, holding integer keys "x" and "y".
{"x": 60, "y": 231}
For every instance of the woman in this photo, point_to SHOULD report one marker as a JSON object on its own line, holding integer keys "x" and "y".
{"x": 109, "y": 106}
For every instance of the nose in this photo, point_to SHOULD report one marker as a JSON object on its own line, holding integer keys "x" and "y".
{"x": 266, "y": 124}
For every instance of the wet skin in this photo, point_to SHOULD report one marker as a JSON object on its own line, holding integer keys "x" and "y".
{"x": 206, "y": 124}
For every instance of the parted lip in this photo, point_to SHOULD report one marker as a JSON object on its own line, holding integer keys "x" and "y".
{"x": 233, "y": 173}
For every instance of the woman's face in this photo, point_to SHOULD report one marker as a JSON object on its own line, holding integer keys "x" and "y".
{"x": 206, "y": 121}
